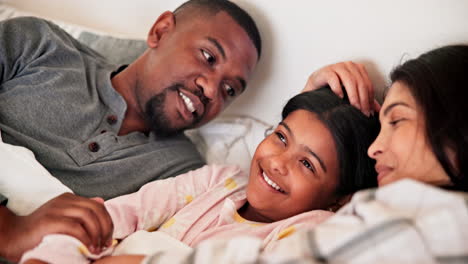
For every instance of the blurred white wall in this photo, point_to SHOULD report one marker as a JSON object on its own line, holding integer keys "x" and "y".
{"x": 299, "y": 35}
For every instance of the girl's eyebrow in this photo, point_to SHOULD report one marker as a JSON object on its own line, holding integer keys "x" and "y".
{"x": 306, "y": 148}
{"x": 324, "y": 168}
{"x": 286, "y": 126}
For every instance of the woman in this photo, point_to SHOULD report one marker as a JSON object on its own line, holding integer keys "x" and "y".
{"x": 411, "y": 217}
{"x": 310, "y": 165}
{"x": 424, "y": 134}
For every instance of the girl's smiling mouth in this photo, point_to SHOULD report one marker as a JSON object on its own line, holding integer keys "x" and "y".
{"x": 271, "y": 183}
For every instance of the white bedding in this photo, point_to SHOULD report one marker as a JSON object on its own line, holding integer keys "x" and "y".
{"x": 150, "y": 243}
{"x": 24, "y": 181}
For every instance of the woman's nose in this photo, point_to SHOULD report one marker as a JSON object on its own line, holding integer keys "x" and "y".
{"x": 376, "y": 148}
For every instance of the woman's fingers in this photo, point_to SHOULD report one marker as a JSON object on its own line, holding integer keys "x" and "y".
{"x": 352, "y": 77}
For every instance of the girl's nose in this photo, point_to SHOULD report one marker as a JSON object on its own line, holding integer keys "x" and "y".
{"x": 278, "y": 164}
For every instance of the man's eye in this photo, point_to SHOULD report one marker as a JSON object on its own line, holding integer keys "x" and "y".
{"x": 229, "y": 90}
{"x": 208, "y": 57}
{"x": 281, "y": 137}
{"x": 308, "y": 165}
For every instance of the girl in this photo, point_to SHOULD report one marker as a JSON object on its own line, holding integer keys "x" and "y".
{"x": 300, "y": 174}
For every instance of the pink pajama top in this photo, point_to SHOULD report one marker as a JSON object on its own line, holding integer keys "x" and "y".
{"x": 191, "y": 207}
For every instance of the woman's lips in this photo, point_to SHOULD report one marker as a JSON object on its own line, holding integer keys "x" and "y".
{"x": 382, "y": 171}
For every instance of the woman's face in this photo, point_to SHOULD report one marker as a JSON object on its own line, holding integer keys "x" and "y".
{"x": 401, "y": 149}
{"x": 295, "y": 169}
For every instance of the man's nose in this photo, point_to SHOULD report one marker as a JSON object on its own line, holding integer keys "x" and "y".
{"x": 208, "y": 85}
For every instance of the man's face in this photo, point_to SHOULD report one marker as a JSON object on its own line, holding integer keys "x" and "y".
{"x": 194, "y": 72}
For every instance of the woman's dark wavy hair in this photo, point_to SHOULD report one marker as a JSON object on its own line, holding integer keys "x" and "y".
{"x": 438, "y": 80}
{"x": 352, "y": 131}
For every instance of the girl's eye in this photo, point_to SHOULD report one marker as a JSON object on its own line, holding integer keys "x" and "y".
{"x": 281, "y": 137}
{"x": 229, "y": 90}
{"x": 208, "y": 57}
{"x": 307, "y": 164}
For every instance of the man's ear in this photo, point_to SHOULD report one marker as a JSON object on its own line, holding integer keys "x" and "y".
{"x": 164, "y": 24}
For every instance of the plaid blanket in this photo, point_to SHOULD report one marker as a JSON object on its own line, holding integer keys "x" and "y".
{"x": 405, "y": 222}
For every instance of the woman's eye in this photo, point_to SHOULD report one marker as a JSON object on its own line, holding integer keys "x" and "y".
{"x": 208, "y": 57}
{"x": 281, "y": 137}
{"x": 308, "y": 165}
{"x": 229, "y": 90}
{"x": 396, "y": 121}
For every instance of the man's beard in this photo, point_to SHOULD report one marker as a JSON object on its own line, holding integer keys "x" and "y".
{"x": 157, "y": 118}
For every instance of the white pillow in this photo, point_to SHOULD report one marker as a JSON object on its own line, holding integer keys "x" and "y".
{"x": 229, "y": 139}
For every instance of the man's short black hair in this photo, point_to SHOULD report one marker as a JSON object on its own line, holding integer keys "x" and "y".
{"x": 238, "y": 14}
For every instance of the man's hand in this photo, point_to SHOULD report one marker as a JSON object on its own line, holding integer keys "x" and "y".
{"x": 355, "y": 79}
{"x": 83, "y": 218}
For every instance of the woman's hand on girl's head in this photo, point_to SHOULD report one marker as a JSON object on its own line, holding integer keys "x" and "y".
{"x": 355, "y": 80}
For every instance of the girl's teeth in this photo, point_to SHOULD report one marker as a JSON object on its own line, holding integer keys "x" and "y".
{"x": 188, "y": 102}
{"x": 271, "y": 183}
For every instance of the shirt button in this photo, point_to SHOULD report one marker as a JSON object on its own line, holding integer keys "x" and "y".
{"x": 93, "y": 147}
{"x": 112, "y": 119}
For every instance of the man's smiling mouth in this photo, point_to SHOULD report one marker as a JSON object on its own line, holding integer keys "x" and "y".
{"x": 188, "y": 102}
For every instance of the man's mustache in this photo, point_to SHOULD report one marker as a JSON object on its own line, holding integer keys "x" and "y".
{"x": 199, "y": 92}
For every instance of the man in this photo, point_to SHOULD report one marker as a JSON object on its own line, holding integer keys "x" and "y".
{"x": 105, "y": 132}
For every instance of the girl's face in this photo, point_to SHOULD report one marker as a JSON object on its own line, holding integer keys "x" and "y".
{"x": 402, "y": 149}
{"x": 294, "y": 170}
